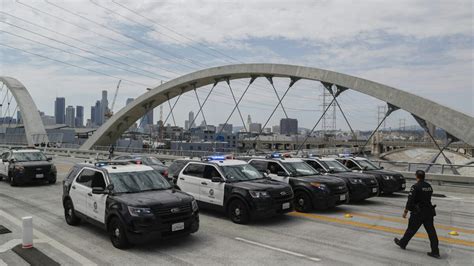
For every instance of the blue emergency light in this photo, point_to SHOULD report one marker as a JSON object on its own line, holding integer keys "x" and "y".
{"x": 275, "y": 155}
{"x": 216, "y": 158}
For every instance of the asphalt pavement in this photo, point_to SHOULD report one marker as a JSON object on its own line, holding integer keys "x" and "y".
{"x": 354, "y": 234}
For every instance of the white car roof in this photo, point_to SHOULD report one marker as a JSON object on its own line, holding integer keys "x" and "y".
{"x": 328, "y": 159}
{"x": 126, "y": 168}
{"x": 228, "y": 162}
{"x": 289, "y": 160}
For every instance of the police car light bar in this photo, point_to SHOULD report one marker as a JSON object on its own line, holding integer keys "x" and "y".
{"x": 215, "y": 158}
{"x": 106, "y": 163}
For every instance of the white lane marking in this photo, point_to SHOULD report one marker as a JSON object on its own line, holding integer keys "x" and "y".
{"x": 277, "y": 249}
{"x": 71, "y": 253}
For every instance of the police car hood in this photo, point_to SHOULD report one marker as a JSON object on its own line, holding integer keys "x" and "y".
{"x": 34, "y": 163}
{"x": 154, "y": 198}
{"x": 260, "y": 184}
{"x": 320, "y": 179}
{"x": 350, "y": 175}
{"x": 381, "y": 172}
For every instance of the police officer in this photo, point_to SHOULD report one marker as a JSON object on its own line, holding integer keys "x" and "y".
{"x": 422, "y": 212}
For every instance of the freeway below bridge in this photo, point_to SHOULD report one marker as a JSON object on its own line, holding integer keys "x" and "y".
{"x": 325, "y": 238}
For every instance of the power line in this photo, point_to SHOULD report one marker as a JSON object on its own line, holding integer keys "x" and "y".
{"x": 81, "y": 41}
{"x": 73, "y": 65}
{"x": 177, "y": 33}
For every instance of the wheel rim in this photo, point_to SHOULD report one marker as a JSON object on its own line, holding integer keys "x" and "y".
{"x": 237, "y": 212}
{"x": 117, "y": 232}
{"x": 301, "y": 202}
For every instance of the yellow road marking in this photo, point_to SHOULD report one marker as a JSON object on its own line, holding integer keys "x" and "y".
{"x": 379, "y": 228}
{"x": 405, "y": 221}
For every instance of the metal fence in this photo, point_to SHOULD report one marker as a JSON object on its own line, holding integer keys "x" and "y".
{"x": 434, "y": 168}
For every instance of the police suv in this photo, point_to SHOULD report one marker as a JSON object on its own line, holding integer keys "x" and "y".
{"x": 134, "y": 203}
{"x": 312, "y": 190}
{"x": 235, "y": 187}
{"x": 22, "y": 165}
{"x": 389, "y": 181}
{"x": 361, "y": 186}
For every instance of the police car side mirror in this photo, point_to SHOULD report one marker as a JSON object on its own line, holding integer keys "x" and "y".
{"x": 330, "y": 171}
{"x": 216, "y": 179}
{"x": 49, "y": 158}
{"x": 110, "y": 187}
{"x": 98, "y": 190}
{"x": 381, "y": 167}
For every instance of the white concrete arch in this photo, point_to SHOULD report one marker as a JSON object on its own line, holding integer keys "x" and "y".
{"x": 34, "y": 128}
{"x": 458, "y": 124}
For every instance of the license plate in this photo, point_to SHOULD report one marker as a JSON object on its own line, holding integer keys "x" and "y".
{"x": 342, "y": 197}
{"x": 403, "y": 185}
{"x": 39, "y": 175}
{"x": 374, "y": 190}
{"x": 177, "y": 227}
{"x": 285, "y": 205}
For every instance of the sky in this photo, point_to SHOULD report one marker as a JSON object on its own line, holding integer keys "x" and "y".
{"x": 76, "y": 49}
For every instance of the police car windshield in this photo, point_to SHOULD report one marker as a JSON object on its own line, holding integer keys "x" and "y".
{"x": 132, "y": 182}
{"x": 243, "y": 172}
{"x": 367, "y": 165}
{"x": 299, "y": 169}
{"x": 335, "y": 166}
{"x": 29, "y": 156}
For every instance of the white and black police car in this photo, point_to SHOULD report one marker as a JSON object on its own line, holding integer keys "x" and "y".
{"x": 312, "y": 190}
{"x": 134, "y": 203}
{"x": 389, "y": 181}
{"x": 361, "y": 186}
{"x": 233, "y": 186}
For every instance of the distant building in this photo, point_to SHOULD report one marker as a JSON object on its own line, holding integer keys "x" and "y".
{"x": 276, "y": 129}
{"x": 92, "y": 119}
{"x": 79, "y": 116}
{"x": 191, "y": 122}
{"x": 255, "y": 127}
{"x": 70, "y": 116}
{"x": 97, "y": 114}
{"x": 225, "y": 128}
{"x": 18, "y": 117}
{"x": 288, "y": 126}
{"x": 147, "y": 119}
{"x": 60, "y": 110}
{"x": 129, "y": 100}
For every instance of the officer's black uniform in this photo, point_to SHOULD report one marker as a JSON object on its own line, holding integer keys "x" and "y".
{"x": 422, "y": 213}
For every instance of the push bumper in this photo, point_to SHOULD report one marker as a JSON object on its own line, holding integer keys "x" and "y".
{"x": 268, "y": 208}
{"x": 362, "y": 192}
{"x": 330, "y": 201}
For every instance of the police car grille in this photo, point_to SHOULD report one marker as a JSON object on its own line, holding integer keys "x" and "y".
{"x": 32, "y": 170}
{"x": 174, "y": 213}
{"x": 370, "y": 182}
{"x": 281, "y": 194}
{"x": 338, "y": 188}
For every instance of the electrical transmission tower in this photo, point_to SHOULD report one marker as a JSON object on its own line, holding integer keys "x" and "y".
{"x": 329, "y": 119}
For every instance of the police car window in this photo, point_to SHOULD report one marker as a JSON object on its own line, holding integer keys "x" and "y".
{"x": 210, "y": 172}
{"x": 299, "y": 169}
{"x": 176, "y": 167}
{"x": 315, "y": 165}
{"x": 134, "y": 182}
{"x": 29, "y": 156}
{"x": 335, "y": 165}
{"x": 259, "y": 165}
{"x": 193, "y": 169}
{"x": 73, "y": 172}
{"x": 367, "y": 164}
{"x": 98, "y": 180}
{"x": 351, "y": 165}
{"x": 243, "y": 172}
{"x": 85, "y": 178}
{"x": 275, "y": 168}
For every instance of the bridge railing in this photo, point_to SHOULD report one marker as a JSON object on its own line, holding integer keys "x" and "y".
{"x": 434, "y": 168}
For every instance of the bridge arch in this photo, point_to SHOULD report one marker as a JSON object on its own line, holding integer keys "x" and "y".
{"x": 34, "y": 128}
{"x": 456, "y": 123}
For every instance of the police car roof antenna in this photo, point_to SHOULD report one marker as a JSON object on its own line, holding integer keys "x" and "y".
{"x": 391, "y": 109}
{"x": 329, "y": 88}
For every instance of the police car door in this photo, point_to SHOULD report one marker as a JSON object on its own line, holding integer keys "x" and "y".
{"x": 4, "y": 165}
{"x": 190, "y": 179}
{"x": 278, "y": 173}
{"x": 79, "y": 189}
{"x": 96, "y": 202}
{"x": 212, "y": 192}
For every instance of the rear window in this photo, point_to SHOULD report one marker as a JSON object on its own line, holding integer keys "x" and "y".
{"x": 176, "y": 167}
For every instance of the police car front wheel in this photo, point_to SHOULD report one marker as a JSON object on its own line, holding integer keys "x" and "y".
{"x": 117, "y": 234}
{"x": 238, "y": 212}
{"x": 302, "y": 201}
{"x": 70, "y": 214}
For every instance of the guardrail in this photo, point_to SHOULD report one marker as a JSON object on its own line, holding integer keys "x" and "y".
{"x": 432, "y": 168}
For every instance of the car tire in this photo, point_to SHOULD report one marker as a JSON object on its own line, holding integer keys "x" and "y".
{"x": 302, "y": 202}
{"x": 117, "y": 234}
{"x": 13, "y": 181}
{"x": 238, "y": 212}
{"x": 52, "y": 181}
{"x": 70, "y": 214}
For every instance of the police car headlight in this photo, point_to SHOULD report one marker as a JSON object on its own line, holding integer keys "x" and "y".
{"x": 19, "y": 168}
{"x": 194, "y": 204}
{"x": 387, "y": 177}
{"x": 135, "y": 211}
{"x": 356, "y": 181}
{"x": 319, "y": 185}
{"x": 259, "y": 194}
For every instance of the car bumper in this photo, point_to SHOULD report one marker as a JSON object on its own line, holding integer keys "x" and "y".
{"x": 362, "y": 192}
{"x": 330, "y": 201}
{"x": 390, "y": 186}
{"x": 270, "y": 208}
{"x": 24, "y": 177}
{"x": 142, "y": 231}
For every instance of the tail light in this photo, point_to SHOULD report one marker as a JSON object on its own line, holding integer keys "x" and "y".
{"x": 165, "y": 173}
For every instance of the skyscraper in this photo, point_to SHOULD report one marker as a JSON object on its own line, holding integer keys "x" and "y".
{"x": 104, "y": 106}
{"x": 60, "y": 110}
{"x": 79, "y": 116}
{"x": 92, "y": 115}
{"x": 97, "y": 114}
{"x": 288, "y": 126}
{"x": 70, "y": 116}
{"x": 147, "y": 119}
{"x": 192, "y": 123}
